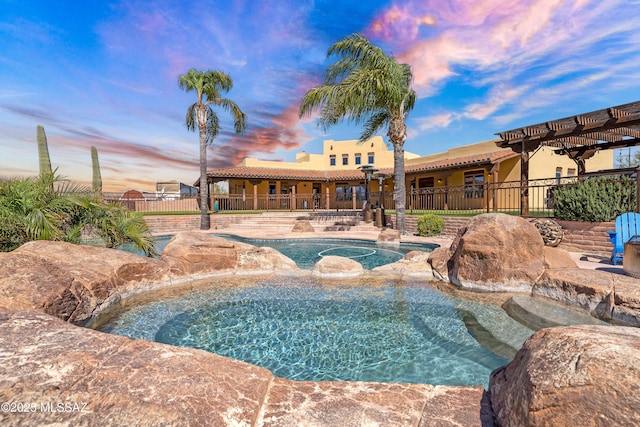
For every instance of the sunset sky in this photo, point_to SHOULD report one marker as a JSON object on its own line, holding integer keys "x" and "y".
{"x": 104, "y": 73}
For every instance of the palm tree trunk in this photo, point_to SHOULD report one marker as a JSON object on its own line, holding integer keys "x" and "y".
{"x": 397, "y": 135}
{"x": 399, "y": 192}
{"x": 205, "y": 221}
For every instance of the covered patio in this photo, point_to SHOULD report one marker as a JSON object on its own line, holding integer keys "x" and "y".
{"x": 578, "y": 137}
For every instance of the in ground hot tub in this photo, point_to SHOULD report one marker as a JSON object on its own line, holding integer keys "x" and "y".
{"x": 631, "y": 258}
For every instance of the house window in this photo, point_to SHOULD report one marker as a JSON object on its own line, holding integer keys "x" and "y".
{"x": 571, "y": 172}
{"x": 332, "y": 160}
{"x": 474, "y": 185}
{"x": 358, "y": 158}
{"x": 558, "y": 175}
{"x": 345, "y": 159}
{"x": 370, "y": 158}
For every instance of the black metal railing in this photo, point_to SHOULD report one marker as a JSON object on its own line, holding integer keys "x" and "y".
{"x": 471, "y": 199}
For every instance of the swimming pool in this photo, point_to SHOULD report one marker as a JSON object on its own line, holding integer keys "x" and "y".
{"x": 301, "y": 329}
{"x": 306, "y": 252}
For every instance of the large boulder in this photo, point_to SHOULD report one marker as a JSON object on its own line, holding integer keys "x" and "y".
{"x": 496, "y": 252}
{"x": 557, "y": 258}
{"x": 337, "y": 267}
{"x": 608, "y": 296}
{"x": 439, "y": 260}
{"x": 414, "y": 265}
{"x": 580, "y": 376}
{"x": 303, "y": 226}
{"x": 201, "y": 254}
{"x": 389, "y": 236}
{"x": 70, "y": 281}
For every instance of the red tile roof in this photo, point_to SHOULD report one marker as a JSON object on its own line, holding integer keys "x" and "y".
{"x": 247, "y": 172}
{"x": 461, "y": 162}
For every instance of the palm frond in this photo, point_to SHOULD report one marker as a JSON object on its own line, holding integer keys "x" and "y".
{"x": 190, "y": 119}
{"x": 376, "y": 122}
{"x": 239, "y": 118}
{"x": 361, "y": 86}
{"x": 213, "y": 125}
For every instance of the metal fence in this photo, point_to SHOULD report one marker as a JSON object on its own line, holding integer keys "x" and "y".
{"x": 465, "y": 200}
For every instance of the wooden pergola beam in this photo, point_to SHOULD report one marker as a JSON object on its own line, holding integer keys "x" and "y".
{"x": 579, "y": 137}
{"x": 607, "y": 146}
{"x": 603, "y": 121}
{"x": 508, "y": 139}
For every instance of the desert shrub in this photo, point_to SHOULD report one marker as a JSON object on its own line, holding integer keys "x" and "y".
{"x": 595, "y": 199}
{"x": 45, "y": 208}
{"x": 430, "y": 225}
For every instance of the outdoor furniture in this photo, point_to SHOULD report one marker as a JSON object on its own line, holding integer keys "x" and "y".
{"x": 627, "y": 226}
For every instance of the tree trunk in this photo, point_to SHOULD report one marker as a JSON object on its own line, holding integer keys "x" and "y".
{"x": 399, "y": 190}
{"x": 205, "y": 221}
{"x": 397, "y": 135}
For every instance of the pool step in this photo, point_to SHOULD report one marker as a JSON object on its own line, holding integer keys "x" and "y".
{"x": 283, "y": 222}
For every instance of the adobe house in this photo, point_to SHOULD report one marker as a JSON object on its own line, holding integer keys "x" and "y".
{"x": 458, "y": 178}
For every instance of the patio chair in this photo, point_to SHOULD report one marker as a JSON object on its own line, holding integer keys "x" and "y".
{"x": 627, "y": 226}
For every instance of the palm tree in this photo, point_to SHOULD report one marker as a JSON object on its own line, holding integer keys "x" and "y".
{"x": 208, "y": 86}
{"x": 367, "y": 86}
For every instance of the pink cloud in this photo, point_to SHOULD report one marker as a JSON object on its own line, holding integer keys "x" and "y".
{"x": 286, "y": 133}
{"x": 523, "y": 26}
{"x": 431, "y": 60}
{"x": 498, "y": 97}
{"x": 482, "y": 35}
{"x": 399, "y": 24}
{"x": 436, "y": 121}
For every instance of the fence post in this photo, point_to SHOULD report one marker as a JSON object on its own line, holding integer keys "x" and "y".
{"x": 485, "y": 195}
{"x": 638, "y": 189}
{"x": 524, "y": 182}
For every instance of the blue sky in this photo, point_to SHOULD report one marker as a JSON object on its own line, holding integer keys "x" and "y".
{"x": 105, "y": 74}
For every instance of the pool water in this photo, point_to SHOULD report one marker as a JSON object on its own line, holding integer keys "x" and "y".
{"x": 307, "y": 252}
{"x": 301, "y": 330}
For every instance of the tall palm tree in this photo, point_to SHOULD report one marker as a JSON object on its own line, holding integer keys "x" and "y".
{"x": 208, "y": 85}
{"x": 367, "y": 86}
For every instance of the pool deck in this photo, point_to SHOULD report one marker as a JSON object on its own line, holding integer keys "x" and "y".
{"x": 583, "y": 260}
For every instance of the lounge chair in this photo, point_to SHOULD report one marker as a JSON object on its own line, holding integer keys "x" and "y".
{"x": 627, "y": 226}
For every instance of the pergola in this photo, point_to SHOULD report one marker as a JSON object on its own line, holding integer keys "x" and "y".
{"x": 578, "y": 137}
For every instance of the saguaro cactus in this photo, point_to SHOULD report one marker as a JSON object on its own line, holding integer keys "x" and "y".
{"x": 97, "y": 178}
{"x": 43, "y": 152}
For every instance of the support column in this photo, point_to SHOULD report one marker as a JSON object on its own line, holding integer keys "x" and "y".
{"x": 494, "y": 191}
{"x": 493, "y": 185}
{"x": 353, "y": 198}
{"x": 255, "y": 197}
{"x": 446, "y": 193}
{"x": 582, "y": 167}
{"x": 327, "y": 200}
